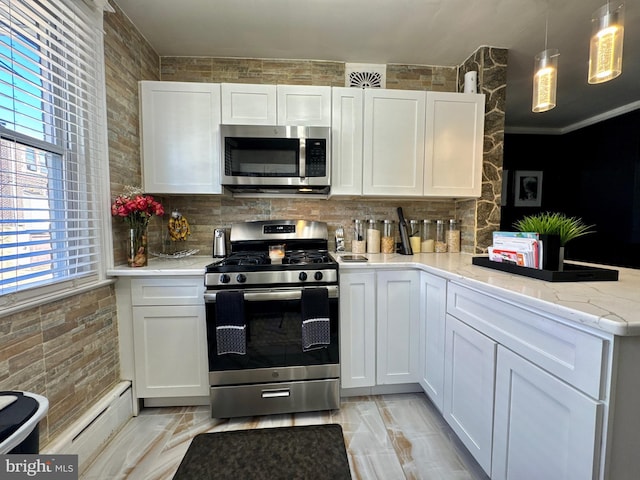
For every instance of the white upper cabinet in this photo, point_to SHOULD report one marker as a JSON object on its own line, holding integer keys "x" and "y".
{"x": 180, "y": 137}
{"x": 304, "y": 105}
{"x": 346, "y": 141}
{"x": 394, "y": 135}
{"x": 406, "y": 143}
{"x": 255, "y": 104}
{"x": 454, "y": 144}
{"x": 248, "y": 104}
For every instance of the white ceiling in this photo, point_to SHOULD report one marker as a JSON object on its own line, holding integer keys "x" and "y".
{"x": 423, "y": 32}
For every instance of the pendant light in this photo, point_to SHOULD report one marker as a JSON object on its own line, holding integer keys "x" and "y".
{"x": 545, "y": 78}
{"x": 605, "y": 51}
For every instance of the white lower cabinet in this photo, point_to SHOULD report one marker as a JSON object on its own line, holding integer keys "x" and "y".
{"x": 398, "y": 318}
{"x": 523, "y": 389}
{"x": 379, "y": 324}
{"x": 543, "y": 428}
{"x": 357, "y": 329}
{"x": 469, "y": 382}
{"x": 169, "y": 337}
{"x": 433, "y": 307}
{"x": 170, "y": 351}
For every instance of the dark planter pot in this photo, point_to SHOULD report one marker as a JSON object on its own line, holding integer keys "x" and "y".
{"x": 551, "y": 257}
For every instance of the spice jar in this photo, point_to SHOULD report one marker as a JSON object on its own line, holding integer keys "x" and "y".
{"x": 388, "y": 237}
{"x": 453, "y": 236}
{"x": 441, "y": 242}
{"x": 414, "y": 235}
{"x": 373, "y": 237}
{"x": 428, "y": 237}
{"x": 358, "y": 244}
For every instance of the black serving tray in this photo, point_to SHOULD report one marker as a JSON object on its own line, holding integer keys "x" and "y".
{"x": 571, "y": 272}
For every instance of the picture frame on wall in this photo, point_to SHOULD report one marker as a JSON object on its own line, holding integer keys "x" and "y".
{"x": 528, "y": 188}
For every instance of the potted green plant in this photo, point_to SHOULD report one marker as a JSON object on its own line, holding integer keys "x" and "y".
{"x": 554, "y": 224}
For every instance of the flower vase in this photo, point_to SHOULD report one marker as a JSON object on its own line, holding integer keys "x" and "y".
{"x": 137, "y": 254}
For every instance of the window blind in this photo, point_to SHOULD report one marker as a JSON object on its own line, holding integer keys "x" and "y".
{"x": 52, "y": 145}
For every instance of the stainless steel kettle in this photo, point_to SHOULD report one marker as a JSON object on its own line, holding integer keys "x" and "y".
{"x": 219, "y": 243}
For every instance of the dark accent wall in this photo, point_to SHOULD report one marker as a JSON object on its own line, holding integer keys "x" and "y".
{"x": 592, "y": 173}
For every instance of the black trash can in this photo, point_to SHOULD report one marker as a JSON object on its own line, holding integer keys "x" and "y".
{"x": 20, "y": 416}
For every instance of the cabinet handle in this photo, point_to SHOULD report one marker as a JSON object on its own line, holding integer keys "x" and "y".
{"x": 276, "y": 393}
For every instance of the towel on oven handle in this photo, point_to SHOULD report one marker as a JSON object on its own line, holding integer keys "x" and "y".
{"x": 230, "y": 323}
{"x": 315, "y": 319}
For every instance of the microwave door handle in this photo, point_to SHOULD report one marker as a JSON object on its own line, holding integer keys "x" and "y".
{"x": 303, "y": 157}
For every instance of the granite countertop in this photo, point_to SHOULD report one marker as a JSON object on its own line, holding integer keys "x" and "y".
{"x": 610, "y": 306}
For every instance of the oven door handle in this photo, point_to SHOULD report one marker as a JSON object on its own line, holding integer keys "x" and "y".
{"x": 270, "y": 295}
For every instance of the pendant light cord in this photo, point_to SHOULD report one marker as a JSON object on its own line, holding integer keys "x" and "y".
{"x": 546, "y": 30}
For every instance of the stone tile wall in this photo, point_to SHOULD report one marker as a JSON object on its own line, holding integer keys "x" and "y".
{"x": 206, "y": 213}
{"x": 67, "y": 350}
{"x": 491, "y": 65}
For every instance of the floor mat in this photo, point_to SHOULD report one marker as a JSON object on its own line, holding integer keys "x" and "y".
{"x": 301, "y": 452}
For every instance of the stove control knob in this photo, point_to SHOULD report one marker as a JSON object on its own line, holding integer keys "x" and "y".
{"x": 241, "y": 278}
{"x": 317, "y": 276}
{"x": 303, "y": 276}
{"x": 224, "y": 278}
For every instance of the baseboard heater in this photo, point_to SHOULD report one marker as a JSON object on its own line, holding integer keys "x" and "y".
{"x": 87, "y": 435}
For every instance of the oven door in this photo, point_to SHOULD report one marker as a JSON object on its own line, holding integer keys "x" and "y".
{"x": 273, "y": 340}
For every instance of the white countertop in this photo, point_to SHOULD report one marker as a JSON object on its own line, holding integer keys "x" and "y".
{"x": 193, "y": 265}
{"x": 609, "y": 306}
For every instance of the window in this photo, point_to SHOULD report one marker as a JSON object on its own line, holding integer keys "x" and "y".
{"x": 52, "y": 146}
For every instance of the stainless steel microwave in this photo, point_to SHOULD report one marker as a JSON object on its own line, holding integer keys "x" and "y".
{"x": 276, "y": 159}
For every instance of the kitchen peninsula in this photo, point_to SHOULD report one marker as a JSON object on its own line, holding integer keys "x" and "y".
{"x": 529, "y": 374}
{"x": 613, "y": 307}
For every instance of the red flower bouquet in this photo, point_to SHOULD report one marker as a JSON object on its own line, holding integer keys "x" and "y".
{"x": 136, "y": 209}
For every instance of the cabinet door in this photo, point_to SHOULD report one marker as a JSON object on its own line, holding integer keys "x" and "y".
{"x": 394, "y": 134}
{"x": 346, "y": 141}
{"x": 432, "y": 336}
{"x": 357, "y": 329}
{"x": 544, "y": 428}
{"x": 248, "y": 104}
{"x": 180, "y": 130}
{"x": 454, "y": 144}
{"x": 304, "y": 105}
{"x": 398, "y": 342}
{"x": 157, "y": 291}
{"x": 469, "y": 384}
{"x": 170, "y": 350}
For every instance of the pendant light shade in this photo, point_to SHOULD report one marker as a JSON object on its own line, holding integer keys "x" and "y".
{"x": 545, "y": 80}
{"x": 605, "y": 52}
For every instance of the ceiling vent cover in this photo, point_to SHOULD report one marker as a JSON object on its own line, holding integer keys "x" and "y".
{"x": 364, "y": 75}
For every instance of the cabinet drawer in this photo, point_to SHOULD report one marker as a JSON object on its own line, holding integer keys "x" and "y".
{"x": 167, "y": 291}
{"x": 570, "y": 354}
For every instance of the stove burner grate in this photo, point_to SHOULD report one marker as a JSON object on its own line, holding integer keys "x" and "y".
{"x": 305, "y": 256}
{"x": 246, "y": 258}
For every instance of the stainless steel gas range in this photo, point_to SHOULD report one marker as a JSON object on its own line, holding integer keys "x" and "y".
{"x": 273, "y": 321}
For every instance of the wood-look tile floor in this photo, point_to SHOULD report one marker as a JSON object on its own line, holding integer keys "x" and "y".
{"x": 388, "y": 437}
